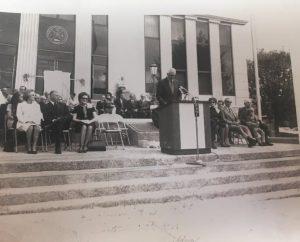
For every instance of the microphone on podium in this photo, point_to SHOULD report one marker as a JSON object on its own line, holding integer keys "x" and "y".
{"x": 183, "y": 90}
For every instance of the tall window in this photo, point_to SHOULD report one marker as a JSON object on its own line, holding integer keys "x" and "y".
{"x": 9, "y": 38}
{"x": 179, "y": 49}
{"x": 152, "y": 50}
{"x": 226, "y": 60}
{"x": 56, "y": 47}
{"x": 203, "y": 57}
{"x": 99, "y": 55}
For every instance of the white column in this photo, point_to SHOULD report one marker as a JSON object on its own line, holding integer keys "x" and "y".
{"x": 27, "y": 50}
{"x": 215, "y": 59}
{"x": 126, "y": 50}
{"x": 83, "y": 53}
{"x": 238, "y": 36}
{"x": 191, "y": 56}
{"x": 295, "y": 59}
{"x": 165, "y": 45}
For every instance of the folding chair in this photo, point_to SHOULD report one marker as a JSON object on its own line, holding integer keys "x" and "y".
{"x": 100, "y": 130}
{"x": 108, "y": 125}
{"x": 122, "y": 125}
{"x": 16, "y": 139}
{"x": 66, "y": 136}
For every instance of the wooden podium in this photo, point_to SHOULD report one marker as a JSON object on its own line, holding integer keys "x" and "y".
{"x": 177, "y": 128}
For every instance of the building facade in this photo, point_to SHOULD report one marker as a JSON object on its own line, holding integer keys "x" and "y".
{"x": 101, "y": 52}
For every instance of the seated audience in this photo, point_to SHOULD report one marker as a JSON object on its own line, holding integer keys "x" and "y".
{"x": 11, "y": 120}
{"x": 11, "y": 110}
{"x": 57, "y": 118}
{"x": 29, "y": 117}
{"x": 22, "y": 89}
{"x": 46, "y": 94}
{"x": 84, "y": 116}
{"x": 108, "y": 103}
{"x": 72, "y": 102}
{"x": 253, "y": 124}
{"x": 100, "y": 106}
{"x": 218, "y": 125}
{"x": 3, "y": 104}
{"x": 243, "y": 116}
{"x": 43, "y": 102}
{"x": 132, "y": 107}
{"x": 234, "y": 125}
{"x": 3, "y": 95}
{"x": 144, "y": 107}
{"x": 223, "y": 126}
{"x": 120, "y": 104}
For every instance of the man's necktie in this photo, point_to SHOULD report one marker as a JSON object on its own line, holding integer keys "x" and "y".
{"x": 172, "y": 86}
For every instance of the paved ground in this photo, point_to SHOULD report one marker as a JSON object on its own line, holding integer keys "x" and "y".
{"x": 235, "y": 219}
{"x": 134, "y": 153}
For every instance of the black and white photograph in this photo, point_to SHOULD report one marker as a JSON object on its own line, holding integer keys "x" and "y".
{"x": 150, "y": 120}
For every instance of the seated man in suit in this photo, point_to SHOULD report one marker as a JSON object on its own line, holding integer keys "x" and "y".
{"x": 120, "y": 104}
{"x": 234, "y": 124}
{"x": 168, "y": 89}
{"x": 243, "y": 117}
{"x": 57, "y": 118}
{"x": 132, "y": 107}
{"x": 144, "y": 107}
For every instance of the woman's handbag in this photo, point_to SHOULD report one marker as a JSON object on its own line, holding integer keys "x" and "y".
{"x": 96, "y": 145}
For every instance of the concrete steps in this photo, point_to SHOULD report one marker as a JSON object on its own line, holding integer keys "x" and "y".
{"x": 53, "y": 177}
{"x": 38, "y": 186}
{"x": 271, "y": 189}
{"x": 47, "y": 178}
{"x": 73, "y": 161}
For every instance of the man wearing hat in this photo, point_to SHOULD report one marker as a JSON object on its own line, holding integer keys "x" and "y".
{"x": 234, "y": 125}
{"x": 244, "y": 119}
{"x": 168, "y": 89}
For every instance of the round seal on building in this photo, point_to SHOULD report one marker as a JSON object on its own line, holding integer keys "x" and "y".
{"x": 57, "y": 34}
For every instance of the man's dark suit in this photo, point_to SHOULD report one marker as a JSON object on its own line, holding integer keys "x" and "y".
{"x": 243, "y": 117}
{"x": 244, "y": 120}
{"x": 120, "y": 104}
{"x": 164, "y": 93}
{"x": 132, "y": 108}
{"x": 57, "y": 118}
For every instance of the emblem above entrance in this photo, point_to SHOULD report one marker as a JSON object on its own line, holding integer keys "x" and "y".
{"x": 57, "y": 34}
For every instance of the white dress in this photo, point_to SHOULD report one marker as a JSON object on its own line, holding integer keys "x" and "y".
{"x": 28, "y": 112}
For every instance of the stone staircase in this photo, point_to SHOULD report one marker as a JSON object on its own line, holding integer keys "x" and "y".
{"x": 43, "y": 186}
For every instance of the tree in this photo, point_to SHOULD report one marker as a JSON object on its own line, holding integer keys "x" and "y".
{"x": 276, "y": 87}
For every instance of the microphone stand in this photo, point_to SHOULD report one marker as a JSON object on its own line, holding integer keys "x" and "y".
{"x": 198, "y": 161}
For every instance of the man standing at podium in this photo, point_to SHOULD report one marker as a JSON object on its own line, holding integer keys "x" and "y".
{"x": 168, "y": 89}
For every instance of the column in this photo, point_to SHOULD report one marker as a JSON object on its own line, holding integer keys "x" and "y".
{"x": 239, "y": 38}
{"x": 215, "y": 59}
{"x": 191, "y": 56}
{"x": 83, "y": 53}
{"x": 165, "y": 45}
{"x": 295, "y": 62}
{"x": 126, "y": 50}
{"x": 27, "y": 50}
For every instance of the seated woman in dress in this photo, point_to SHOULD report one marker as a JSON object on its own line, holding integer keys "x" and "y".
{"x": 84, "y": 116}
{"x": 29, "y": 117}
